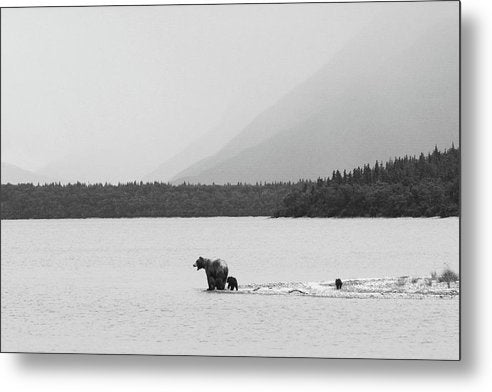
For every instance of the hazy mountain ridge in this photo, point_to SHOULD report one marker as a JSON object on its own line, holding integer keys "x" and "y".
{"x": 206, "y": 146}
{"x": 12, "y": 174}
{"x": 347, "y": 114}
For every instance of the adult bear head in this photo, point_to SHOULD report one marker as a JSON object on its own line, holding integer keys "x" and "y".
{"x": 200, "y": 263}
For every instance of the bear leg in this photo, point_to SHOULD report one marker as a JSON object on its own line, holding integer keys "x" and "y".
{"x": 211, "y": 283}
{"x": 220, "y": 284}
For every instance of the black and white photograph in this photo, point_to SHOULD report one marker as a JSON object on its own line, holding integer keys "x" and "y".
{"x": 245, "y": 180}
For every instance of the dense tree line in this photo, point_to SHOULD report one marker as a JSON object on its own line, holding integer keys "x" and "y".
{"x": 425, "y": 186}
{"x": 410, "y": 186}
{"x": 79, "y": 200}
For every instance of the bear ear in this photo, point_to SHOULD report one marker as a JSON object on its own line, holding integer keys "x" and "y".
{"x": 200, "y": 258}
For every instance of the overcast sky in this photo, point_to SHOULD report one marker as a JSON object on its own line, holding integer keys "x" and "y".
{"x": 135, "y": 85}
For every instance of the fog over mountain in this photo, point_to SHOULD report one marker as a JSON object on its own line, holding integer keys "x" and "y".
{"x": 236, "y": 117}
{"x": 12, "y": 174}
{"x": 392, "y": 90}
{"x": 108, "y": 94}
{"x": 225, "y": 93}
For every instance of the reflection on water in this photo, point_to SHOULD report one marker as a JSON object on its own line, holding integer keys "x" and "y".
{"x": 128, "y": 286}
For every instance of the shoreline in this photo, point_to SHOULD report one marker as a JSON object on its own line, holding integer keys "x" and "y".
{"x": 404, "y": 287}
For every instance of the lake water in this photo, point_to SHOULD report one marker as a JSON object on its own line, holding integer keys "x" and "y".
{"x": 128, "y": 286}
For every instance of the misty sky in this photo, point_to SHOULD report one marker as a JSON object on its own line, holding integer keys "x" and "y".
{"x": 126, "y": 88}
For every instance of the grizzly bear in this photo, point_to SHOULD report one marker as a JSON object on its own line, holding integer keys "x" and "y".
{"x": 338, "y": 283}
{"x": 232, "y": 283}
{"x": 216, "y": 271}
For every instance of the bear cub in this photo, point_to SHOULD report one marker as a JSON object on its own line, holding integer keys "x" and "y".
{"x": 231, "y": 283}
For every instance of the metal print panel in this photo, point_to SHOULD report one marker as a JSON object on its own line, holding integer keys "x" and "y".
{"x": 276, "y": 180}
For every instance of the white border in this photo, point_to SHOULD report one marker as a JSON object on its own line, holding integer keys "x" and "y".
{"x": 23, "y": 372}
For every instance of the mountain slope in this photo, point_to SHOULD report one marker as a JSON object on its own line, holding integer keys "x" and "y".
{"x": 399, "y": 94}
{"x": 232, "y": 123}
{"x": 12, "y": 174}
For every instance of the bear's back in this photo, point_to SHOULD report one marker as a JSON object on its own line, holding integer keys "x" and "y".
{"x": 218, "y": 264}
